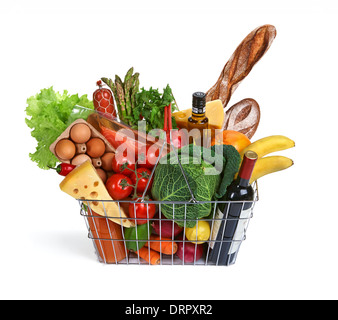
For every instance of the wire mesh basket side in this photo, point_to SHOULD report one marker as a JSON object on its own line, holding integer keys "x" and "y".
{"x": 111, "y": 245}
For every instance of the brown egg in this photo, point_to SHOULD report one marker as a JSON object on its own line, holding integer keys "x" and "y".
{"x": 109, "y": 174}
{"x": 80, "y": 158}
{"x": 107, "y": 161}
{"x": 65, "y": 149}
{"x": 96, "y": 147}
{"x": 102, "y": 174}
{"x": 97, "y": 162}
{"x": 80, "y": 133}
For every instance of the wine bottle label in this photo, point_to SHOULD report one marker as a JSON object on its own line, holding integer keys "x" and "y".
{"x": 239, "y": 234}
{"x": 215, "y": 228}
{"x": 240, "y": 230}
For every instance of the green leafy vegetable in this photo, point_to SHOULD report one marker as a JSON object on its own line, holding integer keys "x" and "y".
{"x": 49, "y": 114}
{"x": 208, "y": 171}
{"x": 170, "y": 185}
{"x": 140, "y": 233}
{"x": 231, "y": 163}
{"x": 150, "y": 105}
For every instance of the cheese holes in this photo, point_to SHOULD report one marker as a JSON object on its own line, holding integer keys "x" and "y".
{"x": 94, "y": 194}
{"x": 76, "y": 191}
{"x": 96, "y": 183}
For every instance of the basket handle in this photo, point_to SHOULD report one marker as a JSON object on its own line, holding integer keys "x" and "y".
{"x": 193, "y": 199}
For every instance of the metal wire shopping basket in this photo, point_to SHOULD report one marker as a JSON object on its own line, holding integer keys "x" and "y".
{"x": 111, "y": 245}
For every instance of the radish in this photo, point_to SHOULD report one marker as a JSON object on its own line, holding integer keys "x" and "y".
{"x": 167, "y": 229}
{"x": 186, "y": 251}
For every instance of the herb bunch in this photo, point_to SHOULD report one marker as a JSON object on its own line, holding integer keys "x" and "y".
{"x": 134, "y": 105}
{"x": 150, "y": 105}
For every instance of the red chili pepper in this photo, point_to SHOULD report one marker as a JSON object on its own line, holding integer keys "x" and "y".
{"x": 64, "y": 168}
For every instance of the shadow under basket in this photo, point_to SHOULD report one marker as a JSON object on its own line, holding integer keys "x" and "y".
{"x": 227, "y": 232}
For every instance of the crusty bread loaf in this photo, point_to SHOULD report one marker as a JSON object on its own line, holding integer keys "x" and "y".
{"x": 247, "y": 54}
{"x": 244, "y": 117}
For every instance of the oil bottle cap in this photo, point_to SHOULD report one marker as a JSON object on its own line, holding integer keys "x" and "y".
{"x": 198, "y": 103}
{"x": 198, "y": 99}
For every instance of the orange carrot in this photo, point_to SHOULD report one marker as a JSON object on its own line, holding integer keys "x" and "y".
{"x": 145, "y": 253}
{"x": 165, "y": 246}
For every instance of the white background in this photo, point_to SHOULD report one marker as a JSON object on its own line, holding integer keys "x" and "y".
{"x": 291, "y": 247}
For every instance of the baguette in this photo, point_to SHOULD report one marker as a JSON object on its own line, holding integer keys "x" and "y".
{"x": 247, "y": 54}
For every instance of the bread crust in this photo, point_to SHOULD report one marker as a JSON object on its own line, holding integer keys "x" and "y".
{"x": 247, "y": 54}
{"x": 244, "y": 117}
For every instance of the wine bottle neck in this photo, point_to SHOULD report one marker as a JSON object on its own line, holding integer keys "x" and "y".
{"x": 247, "y": 167}
{"x": 242, "y": 182}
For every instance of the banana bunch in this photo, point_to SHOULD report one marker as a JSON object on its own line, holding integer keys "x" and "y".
{"x": 269, "y": 164}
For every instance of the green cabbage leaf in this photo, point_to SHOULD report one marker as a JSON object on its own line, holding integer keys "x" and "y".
{"x": 208, "y": 172}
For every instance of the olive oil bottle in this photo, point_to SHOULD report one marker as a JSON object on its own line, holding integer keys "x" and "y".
{"x": 198, "y": 123}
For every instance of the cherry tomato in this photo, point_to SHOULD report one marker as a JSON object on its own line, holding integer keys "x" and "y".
{"x": 142, "y": 211}
{"x": 143, "y": 175}
{"x": 119, "y": 160}
{"x": 117, "y": 186}
{"x": 150, "y": 153}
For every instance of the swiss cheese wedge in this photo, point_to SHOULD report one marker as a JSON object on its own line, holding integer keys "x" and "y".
{"x": 213, "y": 110}
{"x": 84, "y": 183}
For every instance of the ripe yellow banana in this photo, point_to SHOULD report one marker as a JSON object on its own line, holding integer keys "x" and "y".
{"x": 268, "y": 165}
{"x": 269, "y": 144}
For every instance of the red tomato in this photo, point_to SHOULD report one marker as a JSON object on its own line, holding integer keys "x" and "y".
{"x": 142, "y": 211}
{"x": 150, "y": 153}
{"x": 143, "y": 175}
{"x": 119, "y": 160}
{"x": 116, "y": 186}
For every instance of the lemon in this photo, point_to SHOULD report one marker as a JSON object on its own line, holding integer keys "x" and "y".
{"x": 201, "y": 232}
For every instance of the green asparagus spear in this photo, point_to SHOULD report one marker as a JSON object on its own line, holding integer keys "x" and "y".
{"x": 107, "y": 81}
{"x": 127, "y": 87}
{"x": 118, "y": 80}
{"x": 120, "y": 94}
{"x": 125, "y": 94}
{"x": 110, "y": 83}
{"x": 128, "y": 75}
{"x": 135, "y": 88}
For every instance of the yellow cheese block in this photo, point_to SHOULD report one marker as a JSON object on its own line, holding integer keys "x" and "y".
{"x": 213, "y": 110}
{"x": 85, "y": 184}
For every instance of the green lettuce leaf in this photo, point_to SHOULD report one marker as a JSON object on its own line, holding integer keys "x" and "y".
{"x": 49, "y": 114}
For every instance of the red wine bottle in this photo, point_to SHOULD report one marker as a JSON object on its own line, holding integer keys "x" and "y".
{"x": 232, "y": 217}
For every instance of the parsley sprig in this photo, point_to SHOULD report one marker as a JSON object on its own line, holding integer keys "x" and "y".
{"x": 150, "y": 105}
